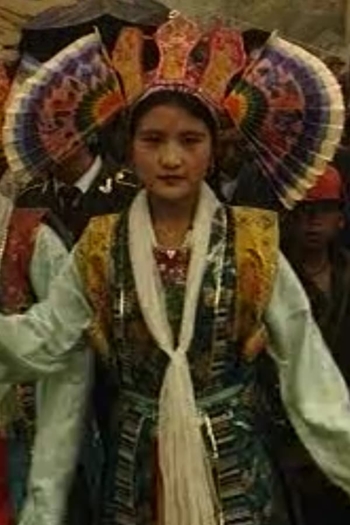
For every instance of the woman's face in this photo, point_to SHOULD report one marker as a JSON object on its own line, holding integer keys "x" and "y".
{"x": 171, "y": 152}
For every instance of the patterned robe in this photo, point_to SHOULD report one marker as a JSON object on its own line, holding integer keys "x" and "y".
{"x": 239, "y": 290}
{"x": 235, "y": 288}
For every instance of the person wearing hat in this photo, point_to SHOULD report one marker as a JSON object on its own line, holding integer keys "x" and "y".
{"x": 316, "y": 253}
{"x": 312, "y": 242}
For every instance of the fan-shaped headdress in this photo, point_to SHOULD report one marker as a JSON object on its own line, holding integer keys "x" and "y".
{"x": 285, "y": 102}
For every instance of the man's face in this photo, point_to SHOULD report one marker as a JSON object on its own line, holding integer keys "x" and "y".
{"x": 318, "y": 224}
{"x": 71, "y": 168}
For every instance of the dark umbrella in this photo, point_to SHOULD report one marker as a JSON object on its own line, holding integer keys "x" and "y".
{"x": 55, "y": 28}
{"x": 136, "y": 12}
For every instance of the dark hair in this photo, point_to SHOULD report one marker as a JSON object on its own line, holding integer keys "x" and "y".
{"x": 183, "y": 100}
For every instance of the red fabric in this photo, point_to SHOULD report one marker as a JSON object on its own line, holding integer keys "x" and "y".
{"x": 5, "y": 502}
{"x": 328, "y": 187}
{"x": 15, "y": 296}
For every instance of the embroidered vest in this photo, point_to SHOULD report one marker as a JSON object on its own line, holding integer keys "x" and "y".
{"x": 236, "y": 287}
{"x": 255, "y": 246}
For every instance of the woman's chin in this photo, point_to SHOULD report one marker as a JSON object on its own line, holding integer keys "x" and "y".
{"x": 174, "y": 193}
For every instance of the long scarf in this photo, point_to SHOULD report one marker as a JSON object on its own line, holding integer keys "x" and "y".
{"x": 188, "y": 486}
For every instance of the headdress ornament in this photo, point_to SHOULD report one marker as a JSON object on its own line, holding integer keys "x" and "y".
{"x": 285, "y": 103}
{"x": 198, "y": 62}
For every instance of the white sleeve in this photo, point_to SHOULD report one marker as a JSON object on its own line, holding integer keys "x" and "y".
{"x": 313, "y": 391}
{"x": 39, "y": 341}
{"x": 48, "y": 258}
{"x": 61, "y": 399}
{"x": 49, "y": 255}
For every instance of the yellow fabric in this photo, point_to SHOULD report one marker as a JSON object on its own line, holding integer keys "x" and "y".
{"x": 93, "y": 260}
{"x": 256, "y": 254}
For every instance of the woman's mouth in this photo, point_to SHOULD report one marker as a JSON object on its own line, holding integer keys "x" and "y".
{"x": 171, "y": 179}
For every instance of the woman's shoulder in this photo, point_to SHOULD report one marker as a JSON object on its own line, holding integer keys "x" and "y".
{"x": 250, "y": 216}
{"x": 98, "y": 235}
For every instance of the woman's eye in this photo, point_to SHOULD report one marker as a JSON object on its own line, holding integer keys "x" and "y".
{"x": 152, "y": 139}
{"x": 189, "y": 141}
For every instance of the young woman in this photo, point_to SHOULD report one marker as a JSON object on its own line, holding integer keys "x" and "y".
{"x": 172, "y": 291}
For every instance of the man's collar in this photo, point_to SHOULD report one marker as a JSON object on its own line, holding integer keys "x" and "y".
{"x": 86, "y": 180}
{"x": 83, "y": 184}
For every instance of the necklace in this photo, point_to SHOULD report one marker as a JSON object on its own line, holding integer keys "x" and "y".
{"x": 171, "y": 238}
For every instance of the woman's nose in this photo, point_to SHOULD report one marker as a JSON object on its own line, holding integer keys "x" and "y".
{"x": 170, "y": 156}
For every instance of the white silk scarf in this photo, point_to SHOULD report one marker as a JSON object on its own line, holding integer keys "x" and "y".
{"x": 188, "y": 486}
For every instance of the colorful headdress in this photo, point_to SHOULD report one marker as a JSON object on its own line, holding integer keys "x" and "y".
{"x": 59, "y": 106}
{"x": 196, "y": 62}
{"x": 285, "y": 103}
{"x": 27, "y": 67}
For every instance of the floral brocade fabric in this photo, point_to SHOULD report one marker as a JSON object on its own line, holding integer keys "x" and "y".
{"x": 224, "y": 377}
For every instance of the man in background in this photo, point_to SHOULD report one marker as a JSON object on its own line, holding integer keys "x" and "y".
{"x": 311, "y": 241}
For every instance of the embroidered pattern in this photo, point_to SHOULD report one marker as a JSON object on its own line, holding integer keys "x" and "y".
{"x": 224, "y": 380}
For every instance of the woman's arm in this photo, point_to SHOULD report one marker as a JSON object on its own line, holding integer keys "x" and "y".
{"x": 312, "y": 388}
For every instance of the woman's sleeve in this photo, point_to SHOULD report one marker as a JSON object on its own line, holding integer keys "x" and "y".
{"x": 39, "y": 341}
{"x": 312, "y": 388}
